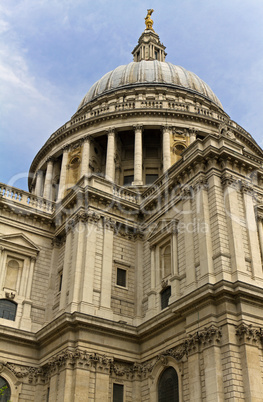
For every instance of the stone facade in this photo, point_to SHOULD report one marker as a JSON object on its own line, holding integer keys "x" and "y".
{"x": 138, "y": 248}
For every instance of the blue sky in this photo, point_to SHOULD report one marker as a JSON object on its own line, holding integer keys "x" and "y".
{"x": 52, "y": 51}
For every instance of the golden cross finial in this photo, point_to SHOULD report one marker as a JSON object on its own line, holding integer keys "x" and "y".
{"x": 148, "y": 20}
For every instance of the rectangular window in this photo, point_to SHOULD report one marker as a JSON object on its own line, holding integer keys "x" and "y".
{"x": 150, "y": 178}
{"x": 127, "y": 181}
{"x": 118, "y": 393}
{"x": 121, "y": 277}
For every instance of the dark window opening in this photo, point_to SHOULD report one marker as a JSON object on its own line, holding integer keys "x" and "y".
{"x": 118, "y": 393}
{"x": 165, "y": 295}
{"x": 168, "y": 390}
{"x": 121, "y": 277}
{"x": 60, "y": 281}
{"x": 156, "y": 55}
{"x": 200, "y": 136}
{"x": 150, "y": 178}
{"x": 48, "y": 391}
{"x": 6, "y": 392}
{"x": 127, "y": 181}
{"x": 8, "y": 309}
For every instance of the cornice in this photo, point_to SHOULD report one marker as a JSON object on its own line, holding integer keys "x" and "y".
{"x": 98, "y": 362}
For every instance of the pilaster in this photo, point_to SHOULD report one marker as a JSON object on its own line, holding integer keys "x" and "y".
{"x": 203, "y": 231}
{"x": 107, "y": 262}
{"x": 234, "y": 225}
{"x": 250, "y": 339}
{"x": 251, "y": 226}
{"x": 189, "y": 241}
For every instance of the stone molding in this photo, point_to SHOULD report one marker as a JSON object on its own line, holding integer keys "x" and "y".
{"x": 79, "y": 358}
{"x": 228, "y": 180}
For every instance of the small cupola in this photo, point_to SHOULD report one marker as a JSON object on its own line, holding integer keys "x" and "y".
{"x": 149, "y": 46}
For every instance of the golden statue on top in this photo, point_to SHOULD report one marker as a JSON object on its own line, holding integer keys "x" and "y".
{"x": 148, "y": 20}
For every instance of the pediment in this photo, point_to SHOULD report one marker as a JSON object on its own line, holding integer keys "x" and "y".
{"x": 20, "y": 243}
{"x": 161, "y": 229}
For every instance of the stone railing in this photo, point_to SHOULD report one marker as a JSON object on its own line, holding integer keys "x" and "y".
{"x": 23, "y": 198}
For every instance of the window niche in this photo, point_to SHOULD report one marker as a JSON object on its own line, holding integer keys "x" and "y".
{"x": 121, "y": 277}
{"x": 8, "y": 310}
{"x": 168, "y": 386}
{"x": 6, "y": 394}
{"x": 118, "y": 392}
{"x": 165, "y": 255}
{"x": 14, "y": 269}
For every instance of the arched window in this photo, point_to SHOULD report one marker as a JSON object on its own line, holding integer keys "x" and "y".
{"x": 7, "y": 310}
{"x": 5, "y": 392}
{"x": 168, "y": 390}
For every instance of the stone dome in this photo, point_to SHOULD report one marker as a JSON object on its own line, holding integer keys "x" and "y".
{"x": 150, "y": 72}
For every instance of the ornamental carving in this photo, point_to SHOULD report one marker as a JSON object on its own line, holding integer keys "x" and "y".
{"x": 248, "y": 333}
{"x": 205, "y": 337}
{"x": 31, "y": 373}
{"x": 69, "y": 358}
{"x": 229, "y": 180}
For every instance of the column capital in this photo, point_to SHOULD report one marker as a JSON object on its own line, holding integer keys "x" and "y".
{"x": 138, "y": 127}
{"x": 111, "y": 131}
{"x": 166, "y": 127}
{"x": 66, "y": 148}
{"x": 50, "y": 159}
{"x": 87, "y": 138}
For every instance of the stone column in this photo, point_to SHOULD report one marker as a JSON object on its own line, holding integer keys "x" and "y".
{"x": 138, "y": 156}
{"x": 48, "y": 180}
{"x": 85, "y": 157}
{"x": 166, "y": 148}
{"x": 252, "y": 232}
{"x": 192, "y": 135}
{"x": 63, "y": 174}
{"x": 110, "y": 164}
{"x": 39, "y": 183}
